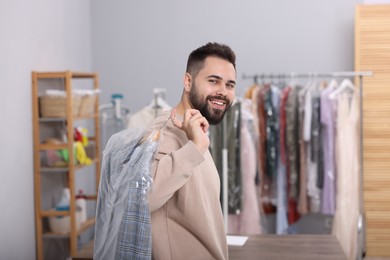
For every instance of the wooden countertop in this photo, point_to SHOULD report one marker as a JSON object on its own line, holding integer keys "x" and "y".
{"x": 273, "y": 247}
{"x": 302, "y": 247}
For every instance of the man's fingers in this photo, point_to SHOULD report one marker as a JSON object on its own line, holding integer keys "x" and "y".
{"x": 190, "y": 115}
{"x": 204, "y": 124}
{"x": 174, "y": 119}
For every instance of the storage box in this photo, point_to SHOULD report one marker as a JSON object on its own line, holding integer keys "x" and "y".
{"x": 87, "y": 106}
{"x": 61, "y": 225}
{"x": 55, "y": 106}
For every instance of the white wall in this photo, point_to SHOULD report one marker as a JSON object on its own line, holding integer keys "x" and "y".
{"x": 141, "y": 45}
{"x": 40, "y": 35}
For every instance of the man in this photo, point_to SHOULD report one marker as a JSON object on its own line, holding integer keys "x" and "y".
{"x": 187, "y": 221}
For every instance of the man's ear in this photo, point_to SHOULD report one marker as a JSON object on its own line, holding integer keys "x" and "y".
{"x": 187, "y": 82}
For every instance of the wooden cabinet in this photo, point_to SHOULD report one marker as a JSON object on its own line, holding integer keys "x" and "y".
{"x": 372, "y": 53}
{"x": 45, "y": 128}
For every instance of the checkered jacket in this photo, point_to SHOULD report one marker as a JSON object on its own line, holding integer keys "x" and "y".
{"x": 123, "y": 224}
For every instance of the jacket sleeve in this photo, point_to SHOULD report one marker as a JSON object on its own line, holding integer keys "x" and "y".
{"x": 173, "y": 166}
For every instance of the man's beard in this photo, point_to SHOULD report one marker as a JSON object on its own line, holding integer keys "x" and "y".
{"x": 213, "y": 115}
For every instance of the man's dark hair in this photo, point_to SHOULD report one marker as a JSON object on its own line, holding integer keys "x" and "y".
{"x": 197, "y": 57}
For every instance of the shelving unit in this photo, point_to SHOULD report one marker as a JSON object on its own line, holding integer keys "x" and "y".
{"x": 64, "y": 81}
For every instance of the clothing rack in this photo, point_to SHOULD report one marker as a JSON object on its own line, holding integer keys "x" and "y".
{"x": 340, "y": 74}
{"x": 292, "y": 75}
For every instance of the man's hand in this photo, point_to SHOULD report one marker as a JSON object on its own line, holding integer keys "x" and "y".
{"x": 195, "y": 126}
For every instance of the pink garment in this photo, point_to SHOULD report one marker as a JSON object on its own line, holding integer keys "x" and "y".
{"x": 248, "y": 221}
{"x": 348, "y": 180}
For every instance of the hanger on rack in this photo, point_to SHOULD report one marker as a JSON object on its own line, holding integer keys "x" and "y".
{"x": 332, "y": 84}
{"x": 346, "y": 84}
{"x": 158, "y": 102}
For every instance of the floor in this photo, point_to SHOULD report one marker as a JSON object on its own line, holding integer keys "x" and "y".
{"x": 309, "y": 224}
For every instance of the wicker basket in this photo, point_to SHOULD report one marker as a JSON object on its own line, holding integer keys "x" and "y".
{"x": 55, "y": 106}
{"x": 87, "y": 106}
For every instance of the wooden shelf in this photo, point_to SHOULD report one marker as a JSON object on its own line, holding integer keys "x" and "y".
{"x": 61, "y": 80}
{"x": 64, "y": 74}
{"x": 51, "y": 119}
{"x": 91, "y": 197}
{"x": 54, "y": 213}
{"x": 63, "y": 119}
{"x": 44, "y": 147}
{"x": 65, "y": 169}
{"x": 84, "y": 227}
{"x": 52, "y": 146}
{"x": 54, "y": 169}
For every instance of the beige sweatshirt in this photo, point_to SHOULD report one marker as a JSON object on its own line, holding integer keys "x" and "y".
{"x": 187, "y": 221}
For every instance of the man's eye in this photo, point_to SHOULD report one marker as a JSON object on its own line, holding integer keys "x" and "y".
{"x": 230, "y": 86}
{"x": 213, "y": 81}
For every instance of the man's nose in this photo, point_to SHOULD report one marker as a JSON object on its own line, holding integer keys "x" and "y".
{"x": 222, "y": 90}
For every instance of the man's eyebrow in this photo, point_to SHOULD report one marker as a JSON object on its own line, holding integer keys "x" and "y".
{"x": 214, "y": 76}
{"x": 231, "y": 82}
{"x": 220, "y": 78}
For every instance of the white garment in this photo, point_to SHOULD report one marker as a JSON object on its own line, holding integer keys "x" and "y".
{"x": 143, "y": 117}
{"x": 311, "y": 167}
{"x": 307, "y": 119}
{"x": 347, "y": 201}
{"x": 312, "y": 190}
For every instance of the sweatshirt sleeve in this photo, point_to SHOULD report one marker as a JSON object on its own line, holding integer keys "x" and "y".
{"x": 172, "y": 167}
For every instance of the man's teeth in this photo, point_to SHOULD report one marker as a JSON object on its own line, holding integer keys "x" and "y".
{"x": 219, "y": 103}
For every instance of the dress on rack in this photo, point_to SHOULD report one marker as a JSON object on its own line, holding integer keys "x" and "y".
{"x": 229, "y": 131}
{"x": 347, "y": 199}
{"x": 328, "y": 114}
{"x": 302, "y": 198}
{"x": 313, "y": 192}
{"x": 265, "y": 187}
{"x": 248, "y": 220}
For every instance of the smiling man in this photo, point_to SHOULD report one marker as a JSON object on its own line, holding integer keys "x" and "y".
{"x": 187, "y": 221}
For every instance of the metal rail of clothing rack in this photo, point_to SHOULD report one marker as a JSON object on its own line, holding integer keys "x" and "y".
{"x": 314, "y": 75}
